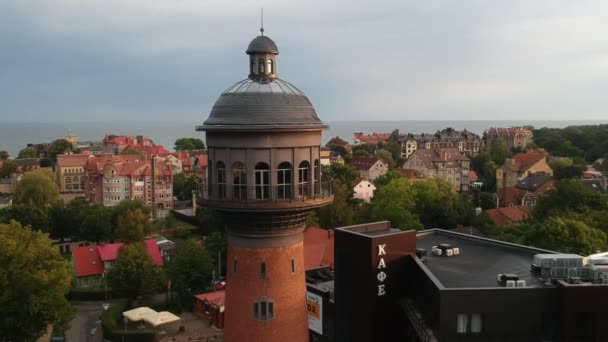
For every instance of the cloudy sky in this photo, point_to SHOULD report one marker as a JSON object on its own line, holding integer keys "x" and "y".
{"x": 169, "y": 60}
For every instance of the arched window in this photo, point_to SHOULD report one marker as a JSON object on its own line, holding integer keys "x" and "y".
{"x": 262, "y": 185}
{"x": 239, "y": 181}
{"x": 252, "y": 66}
{"x": 284, "y": 181}
{"x": 221, "y": 180}
{"x": 210, "y": 179}
{"x": 261, "y": 66}
{"x": 303, "y": 178}
{"x": 270, "y": 67}
{"x": 263, "y": 309}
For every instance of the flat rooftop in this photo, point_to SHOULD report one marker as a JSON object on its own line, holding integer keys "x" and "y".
{"x": 372, "y": 229}
{"x": 479, "y": 262}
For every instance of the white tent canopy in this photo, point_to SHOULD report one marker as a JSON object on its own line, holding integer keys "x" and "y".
{"x": 138, "y": 314}
{"x": 159, "y": 318}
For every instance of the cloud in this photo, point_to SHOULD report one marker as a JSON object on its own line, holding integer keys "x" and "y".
{"x": 77, "y": 60}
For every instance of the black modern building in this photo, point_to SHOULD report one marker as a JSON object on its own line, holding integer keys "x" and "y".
{"x": 437, "y": 285}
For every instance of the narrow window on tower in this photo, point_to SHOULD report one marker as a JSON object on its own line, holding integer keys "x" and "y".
{"x": 256, "y": 310}
{"x": 261, "y": 66}
{"x": 270, "y": 67}
{"x": 270, "y": 310}
{"x": 263, "y": 269}
{"x": 293, "y": 265}
{"x": 235, "y": 266}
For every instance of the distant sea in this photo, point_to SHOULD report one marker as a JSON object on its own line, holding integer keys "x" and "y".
{"x": 14, "y": 136}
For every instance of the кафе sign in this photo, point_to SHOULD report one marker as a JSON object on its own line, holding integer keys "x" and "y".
{"x": 381, "y": 274}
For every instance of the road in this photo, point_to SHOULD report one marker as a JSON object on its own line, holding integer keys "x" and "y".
{"x": 85, "y": 327}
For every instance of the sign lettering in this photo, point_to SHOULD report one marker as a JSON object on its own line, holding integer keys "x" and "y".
{"x": 381, "y": 275}
{"x": 381, "y": 290}
{"x": 381, "y": 250}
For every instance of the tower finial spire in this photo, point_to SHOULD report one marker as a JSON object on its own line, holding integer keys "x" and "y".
{"x": 262, "y": 27}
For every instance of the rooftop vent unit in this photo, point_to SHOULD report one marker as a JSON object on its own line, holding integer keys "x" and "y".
{"x": 510, "y": 283}
{"x": 456, "y": 250}
{"x": 534, "y": 268}
{"x": 521, "y": 283}
{"x": 420, "y": 253}
{"x": 504, "y": 278}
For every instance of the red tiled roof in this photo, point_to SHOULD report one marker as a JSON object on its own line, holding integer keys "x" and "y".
{"x": 523, "y": 161}
{"x": 87, "y": 261}
{"x": 373, "y": 138}
{"x": 450, "y": 156}
{"x": 318, "y": 248}
{"x": 72, "y": 160}
{"x": 337, "y": 141}
{"x": 507, "y": 215}
{"x": 110, "y": 251}
{"x": 218, "y": 297}
{"x": 473, "y": 176}
{"x": 364, "y": 163}
{"x": 202, "y": 160}
{"x": 154, "y": 252}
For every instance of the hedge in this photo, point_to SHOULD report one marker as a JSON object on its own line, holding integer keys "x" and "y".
{"x": 88, "y": 294}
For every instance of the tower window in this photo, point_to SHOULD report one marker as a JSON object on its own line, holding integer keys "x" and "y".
{"x": 263, "y": 309}
{"x": 263, "y": 269}
{"x": 235, "y": 265}
{"x": 284, "y": 181}
{"x": 239, "y": 181}
{"x": 270, "y": 66}
{"x": 262, "y": 185}
{"x": 303, "y": 178}
{"x": 252, "y": 66}
{"x": 261, "y": 66}
{"x": 293, "y": 265}
{"x": 221, "y": 180}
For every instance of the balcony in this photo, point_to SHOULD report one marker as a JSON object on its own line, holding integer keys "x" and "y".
{"x": 265, "y": 197}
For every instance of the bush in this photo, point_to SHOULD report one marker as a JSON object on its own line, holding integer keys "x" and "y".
{"x": 88, "y": 294}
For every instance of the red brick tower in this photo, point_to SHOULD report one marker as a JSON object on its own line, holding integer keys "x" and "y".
{"x": 264, "y": 139}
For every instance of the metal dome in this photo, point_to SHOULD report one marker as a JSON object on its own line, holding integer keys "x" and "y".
{"x": 262, "y": 44}
{"x": 253, "y": 105}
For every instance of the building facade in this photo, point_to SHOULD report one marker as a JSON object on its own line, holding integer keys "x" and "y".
{"x": 466, "y": 142}
{"x": 70, "y": 171}
{"x": 446, "y": 163}
{"x": 264, "y": 138}
{"x": 369, "y": 167}
{"x": 515, "y": 137}
{"x": 509, "y": 176}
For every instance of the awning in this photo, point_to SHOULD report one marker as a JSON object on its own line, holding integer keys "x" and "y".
{"x": 163, "y": 317}
{"x": 138, "y": 314}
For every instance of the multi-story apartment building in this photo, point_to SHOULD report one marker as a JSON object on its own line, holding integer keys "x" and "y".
{"x": 466, "y": 142}
{"x": 516, "y": 137}
{"x": 70, "y": 173}
{"x": 111, "y": 179}
{"x": 116, "y": 144}
{"x": 447, "y": 163}
{"x": 369, "y": 167}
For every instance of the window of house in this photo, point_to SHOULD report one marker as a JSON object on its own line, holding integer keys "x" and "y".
{"x": 303, "y": 178}
{"x": 221, "y": 180}
{"x": 239, "y": 181}
{"x": 262, "y": 185}
{"x": 284, "y": 180}
{"x": 263, "y": 309}
{"x": 469, "y": 323}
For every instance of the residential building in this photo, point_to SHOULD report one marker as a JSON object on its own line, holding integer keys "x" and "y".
{"x": 6, "y": 185}
{"x": 515, "y": 169}
{"x": 116, "y": 144}
{"x": 446, "y": 163}
{"x": 515, "y": 137}
{"x": 329, "y": 157}
{"x": 363, "y": 189}
{"x": 508, "y": 215}
{"x": 374, "y": 138}
{"x": 201, "y": 164}
{"x": 339, "y": 142}
{"x": 410, "y": 174}
{"x": 113, "y": 178}
{"x": 466, "y": 142}
{"x": 91, "y": 263}
{"x": 369, "y": 167}
{"x": 70, "y": 173}
{"x": 6, "y": 200}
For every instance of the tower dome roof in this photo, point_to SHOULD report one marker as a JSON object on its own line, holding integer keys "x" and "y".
{"x": 262, "y": 44}
{"x": 254, "y": 105}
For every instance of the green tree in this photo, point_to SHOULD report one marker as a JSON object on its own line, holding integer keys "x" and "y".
{"x": 34, "y": 279}
{"x": 37, "y": 218}
{"x": 387, "y": 156}
{"x": 37, "y": 189}
{"x": 569, "y": 196}
{"x": 346, "y": 174}
{"x": 97, "y": 224}
{"x": 59, "y": 146}
{"x": 27, "y": 153}
{"x": 131, "y": 273}
{"x": 190, "y": 268}
{"x": 183, "y": 186}
{"x": 132, "y": 226}
{"x": 567, "y": 168}
{"x": 339, "y": 213}
{"x": 499, "y": 151}
{"x": 396, "y": 203}
{"x": 217, "y": 246}
{"x": 125, "y": 205}
{"x": 45, "y": 162}
{"x": 185, "y": 144}
{"x": 566, "y": 235}
{"x": 8, "y": 167}
{"x": 209, "y": 220}
{"x": 386, "y": 178}
{"x": 3, "y": 155}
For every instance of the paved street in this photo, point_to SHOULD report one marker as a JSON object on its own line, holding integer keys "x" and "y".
{"x": 86, "y": 319}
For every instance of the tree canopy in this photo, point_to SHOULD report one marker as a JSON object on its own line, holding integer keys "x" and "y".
{"x": 8, "y": 167}
{"x": 3, "y": 155}
{"x": 588, "y": 142}
{"x": 132, "y": 226}
{"x": 190, "y": 267}
{"x": 184, "y": 144}
{"x": 37, "y": 189}
{"x": 34, "y": 279}
{"x": 59, "y": 146}
{"x": 27, "y": 153}
{"x": 183, "y": 186}
{"x": 339, "y": 213}
{"x": 132, "y": 274}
